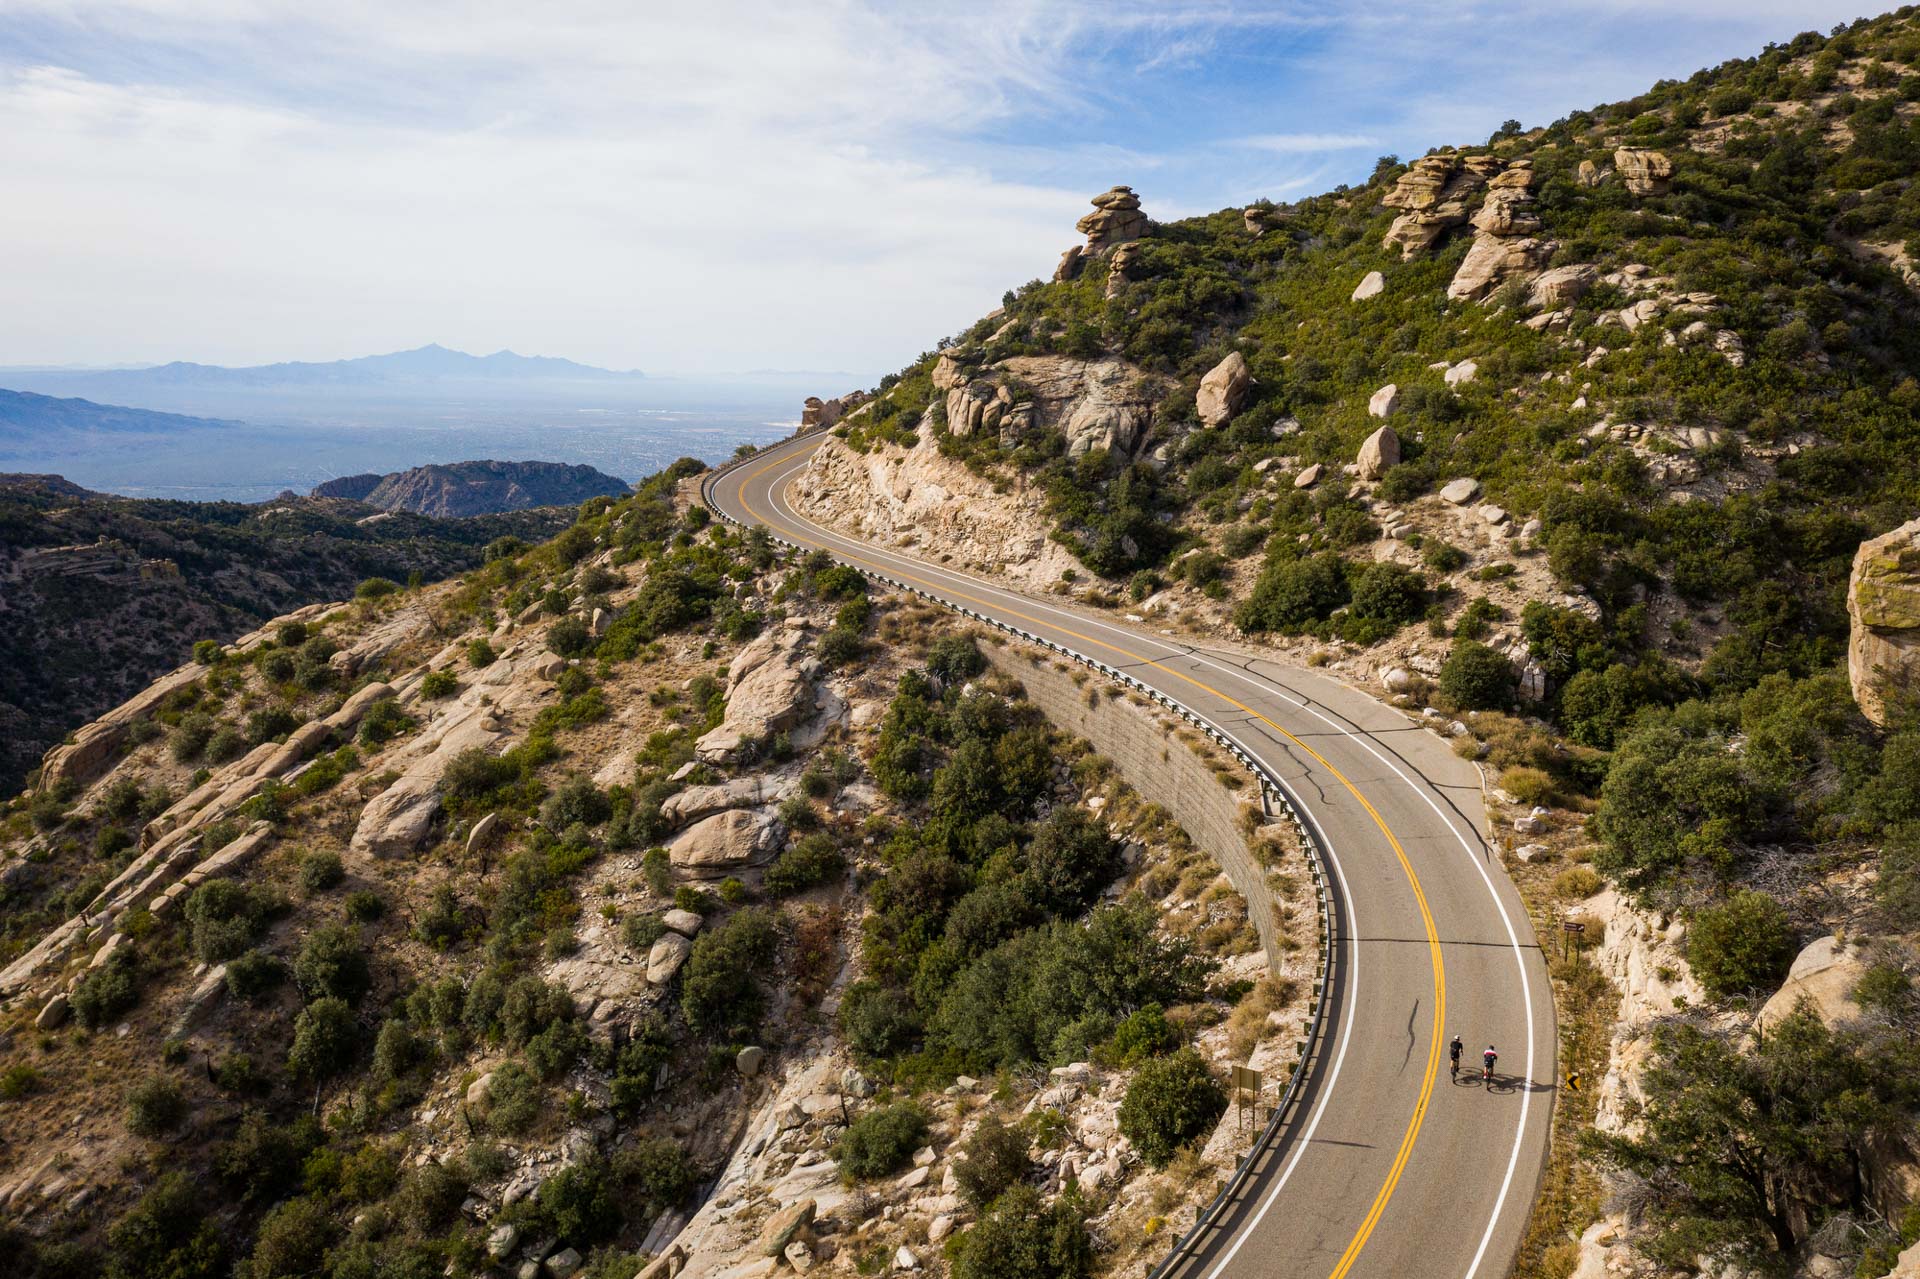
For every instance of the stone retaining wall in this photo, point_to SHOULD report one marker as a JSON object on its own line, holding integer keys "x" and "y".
{"x": 1147, "y": 746}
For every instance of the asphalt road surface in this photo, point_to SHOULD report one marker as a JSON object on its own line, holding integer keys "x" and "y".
{"x": 1386, "y": 1166}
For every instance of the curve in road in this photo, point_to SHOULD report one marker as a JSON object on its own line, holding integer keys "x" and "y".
{"x": 1370, "y": 1173}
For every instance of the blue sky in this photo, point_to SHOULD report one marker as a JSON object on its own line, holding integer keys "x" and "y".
{"x": 692, "y": 189}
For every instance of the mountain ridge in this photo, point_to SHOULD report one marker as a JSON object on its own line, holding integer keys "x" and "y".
{"x": 456, "y": 489}
{"x": 431, "y": 363}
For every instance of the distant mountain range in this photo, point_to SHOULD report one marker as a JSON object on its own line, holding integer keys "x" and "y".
{"x": 476, "y": 488}
{"x": 27, "y": 417}
{"x": 424, "y": 365}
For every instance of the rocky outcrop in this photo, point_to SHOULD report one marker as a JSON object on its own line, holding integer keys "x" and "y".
{"x": 1562, "y": 286}
{"x": 769, "y": 690}
{"x": 1262, "y": 218}
{"x": 818, "y": 412}
{"x": 1116, "y": 219}
{"x": 1378, "y": 452}
{"x": 726, "y": 842}
{"x": 1645, "y": 171}
{"x": 1883, "y": 606}
{"x": 1105, "y": 403}
{"x": 1223, "y": 390}
{"x": 1433, "y": 193}
{"x": 740, "y": 792}
{"x": 1508, "y": 208}
{"x": 95, "y": 746}
{"x": 918, "y": 498}
{"x": 1493, "y": 260}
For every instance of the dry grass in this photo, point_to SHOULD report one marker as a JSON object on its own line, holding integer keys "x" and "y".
{"x": 1247, "y": 1024}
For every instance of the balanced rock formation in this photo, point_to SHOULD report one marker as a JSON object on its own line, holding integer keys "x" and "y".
{"x": 1224, "y": 390}
{"x": 1433, "y": 193}
{"x": 1883, "y": 604}
{"x": 1504, "y": 247}
{"x": 1262, "y": 218}
{"x": 818, "y": 412}
{"x": 1378, "y": 452}
{"x": 1116, "y": 218}
{"x": 1645, "y": 171}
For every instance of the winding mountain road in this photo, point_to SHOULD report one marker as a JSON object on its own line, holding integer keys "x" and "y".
{"x": 1384, "y": 1166}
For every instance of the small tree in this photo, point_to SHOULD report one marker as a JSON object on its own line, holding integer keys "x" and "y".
{"x": 1023, "y": 1237}
{"x": 333, "y": 963}
{"x": 324, "y": 1039}
{"x": 155, "y": 1107}
{"x": 1171, "y": 1101}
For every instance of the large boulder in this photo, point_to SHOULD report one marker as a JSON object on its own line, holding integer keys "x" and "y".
{"x": 739, "y": 792}
{"x": 1495, "y": 259}
{"x": 786, "y": 1225}
{"x": 1824, "y": 974}
{"x": 769, "y": 690}
{"x": 1116, "y": 218}
{"x": 1645, "y": 171}
{"x": 1563, "y": 285}
{"x": 1223, "y": 390}
{"x": 1371, "y": 285}
{"x": 1384, "y": 402}
{"x": 1378, "y": 452}
{"x": 1883, "y": 605}
{"x": 719, "y": 845}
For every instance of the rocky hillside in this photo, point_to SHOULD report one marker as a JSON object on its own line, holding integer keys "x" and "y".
{"x": 643, "y": 903}
{"x": 458, "y": 489}
{"x": 99, "y": 595}
{"x": 1603, "y": 432}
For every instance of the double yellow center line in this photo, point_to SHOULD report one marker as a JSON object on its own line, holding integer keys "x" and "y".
{"x": 1387, "y": 1188}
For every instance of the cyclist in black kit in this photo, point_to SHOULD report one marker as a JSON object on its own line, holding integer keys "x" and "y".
{"x": 1453, "y": 1050}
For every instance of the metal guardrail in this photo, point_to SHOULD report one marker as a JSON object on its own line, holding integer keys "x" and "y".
{"x": 1274, "y": 796}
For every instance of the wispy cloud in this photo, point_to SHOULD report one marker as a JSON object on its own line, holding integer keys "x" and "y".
{"x": 734, "y": 184}
{"x": 1307, "y": 143}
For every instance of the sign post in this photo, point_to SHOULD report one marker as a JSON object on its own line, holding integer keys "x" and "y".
{"x": 1246, "y": 1091}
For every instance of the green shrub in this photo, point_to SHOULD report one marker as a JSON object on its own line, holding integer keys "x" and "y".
{"x": 578, "y": 1204}
{"x": 1023, "y": 1237}
{"x": 325, "y": 1039}
{"x": 155, "y": 1107}
{"x": 1145, "y": 1033}
{"x": 954, "y": 658}
{"x": 320, "y": 870}
{"x": 1744, "y": 944}
{"x": 226, "y": 743}
{"x": 439, "y": 684}
{"x": 105, "y": 992}
{"x": 252, "y": 975}
{"x": 809, "y": 862}
{"x": 365, "y": 905}
{"x": 480, "y": 654}
{"x": 383, "y": 722}
{"x": 514, "y": 1098}
{"x": 1576, "y": 883}
{"x": 224, "y": 917}
{"x": 1171, "y": 1101}
{"x": 881, "y": 1141}
{"x": 719, "y": 990}
{"x": 293, "y": 1240}
{"x": 570, "y": 637}
{"x": 270, "y": 723}
{"x": 877, "y": 1020}
{"x": 1475, "y": 677}
{"x": 375, "y": 588}
{"x": 166, "y": 1235}
{"x": 333, "y": 962}
{"x": 577, "y": 800}
{"x": 994, "y": 1158}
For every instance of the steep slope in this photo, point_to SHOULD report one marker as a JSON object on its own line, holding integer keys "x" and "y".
{"x": 457, "y": 489}
{"x": 608, "y": 900}
{"x": 1582, "y": 430}
{"x": 99, "y": 595}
